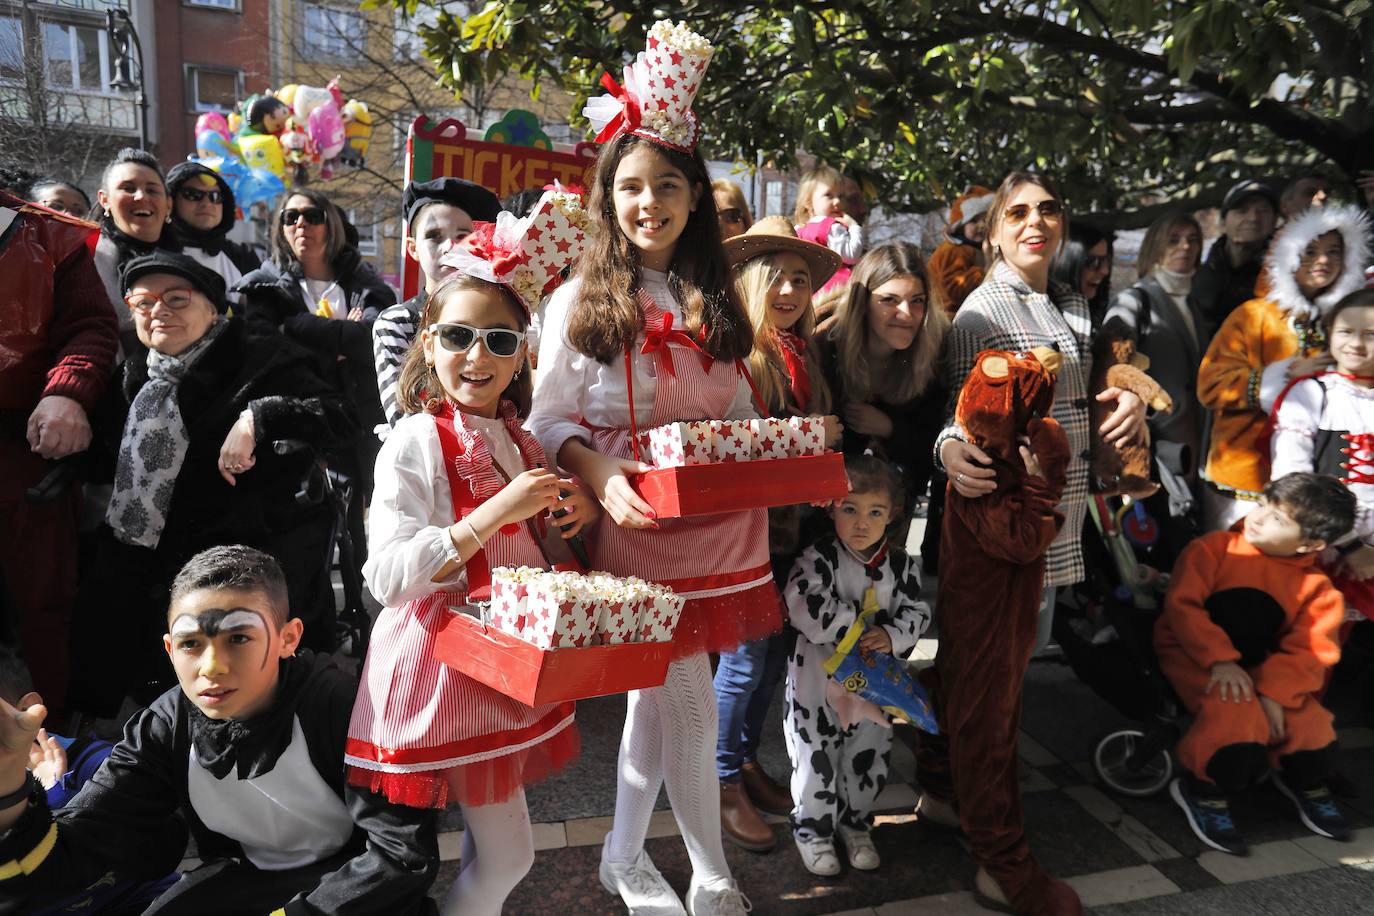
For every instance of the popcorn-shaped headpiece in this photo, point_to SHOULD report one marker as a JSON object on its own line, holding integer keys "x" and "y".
{"x": 527, "y": 256}
{"x": 655, "y": 101}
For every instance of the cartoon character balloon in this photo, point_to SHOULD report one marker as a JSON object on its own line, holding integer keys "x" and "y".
{"x": 326, "y": 129}
{"x": 263, "y": 151}
{"x": 307, "y": 99}
{"x": 357, "y": 131}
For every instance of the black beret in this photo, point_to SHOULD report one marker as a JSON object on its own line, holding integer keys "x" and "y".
{"x": 205, "y": 280}
{"x": 473, "y": 199}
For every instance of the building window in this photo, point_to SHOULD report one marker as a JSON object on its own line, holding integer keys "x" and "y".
{"x": 11, "y": 48}
{"x": 78, "y": 57}
{"x": 209, "y": 89}
{"x": 406, "y": 31}
{"x": 230, "y": 5}
{"x": 333, "y": 32}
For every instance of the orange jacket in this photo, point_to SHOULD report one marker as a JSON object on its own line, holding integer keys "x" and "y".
{"x": 1256, "y": 334}
{"x": 954, "y": 271}
{"x": 1312, "y": 608}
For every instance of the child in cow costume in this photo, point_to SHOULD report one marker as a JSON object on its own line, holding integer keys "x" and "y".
{"x": 992, "y": 565}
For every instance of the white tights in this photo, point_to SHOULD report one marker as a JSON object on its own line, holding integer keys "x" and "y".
{"x": 498, "y": 850}
{"x": 670, "y": 738}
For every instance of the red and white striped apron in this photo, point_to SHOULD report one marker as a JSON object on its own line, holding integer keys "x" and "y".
{"x": 718, "y": 562}
{"x": 424, "y": 734}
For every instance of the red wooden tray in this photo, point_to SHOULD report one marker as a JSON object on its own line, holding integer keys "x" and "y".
{"x": 536, "y": 676}
{"x": 729, "y": 486}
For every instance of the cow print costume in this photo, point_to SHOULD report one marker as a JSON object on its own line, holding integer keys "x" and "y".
{"x": 837, "y": 773}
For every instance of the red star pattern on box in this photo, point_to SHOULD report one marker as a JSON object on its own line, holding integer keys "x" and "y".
{"x": 772, "y": 438}
{"x": 734, "y": 440}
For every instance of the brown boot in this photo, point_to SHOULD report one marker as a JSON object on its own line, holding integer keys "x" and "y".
{"x": 763, "y": 791}
{"x": 740, "y": 822}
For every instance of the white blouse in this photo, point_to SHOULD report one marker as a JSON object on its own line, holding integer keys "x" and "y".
{"x": 412, "y": 509}
{"x": 570, "y": 387}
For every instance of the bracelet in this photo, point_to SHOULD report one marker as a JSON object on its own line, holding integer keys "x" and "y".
{"x": 481, "y": 545}
{"x": 31, "y": 785}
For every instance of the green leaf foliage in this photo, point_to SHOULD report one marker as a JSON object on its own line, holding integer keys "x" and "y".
{"x": 1130, "y": 103}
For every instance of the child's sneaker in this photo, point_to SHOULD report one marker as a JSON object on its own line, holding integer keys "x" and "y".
{"x": 818, "y": 855}
{"x": 1316, "y": 808}
{"x": 640, "y": 885}
{"x": 1208, "y": 814}
{"x": 863, "y": 855}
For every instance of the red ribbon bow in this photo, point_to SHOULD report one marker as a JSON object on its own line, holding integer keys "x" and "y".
{"x": 627, "y": 120}
{"x": 658, "y": 339}
{"x": 481, "y": 242}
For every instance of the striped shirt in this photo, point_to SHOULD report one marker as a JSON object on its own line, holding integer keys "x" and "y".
{"x": 392, "y": 333}
{"x": 1004, "y": 313}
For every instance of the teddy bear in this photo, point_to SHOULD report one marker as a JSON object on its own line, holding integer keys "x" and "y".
{"x": 1124, "y": 470}
{"x": 992, "y": 571}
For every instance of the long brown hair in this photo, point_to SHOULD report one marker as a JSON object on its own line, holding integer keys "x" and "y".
{"x": 419, "y": 390}
{"x": 755, "y": 277}
{"x": 606, "y": 319}
{"x": 282, "y": 255}
{"x": 911, "y": 370}
{"x": 997, "y": 213}
{"x": 1156, "y": 242}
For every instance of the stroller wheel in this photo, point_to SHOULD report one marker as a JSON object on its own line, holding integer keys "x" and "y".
{"x": 1113, "y": 763}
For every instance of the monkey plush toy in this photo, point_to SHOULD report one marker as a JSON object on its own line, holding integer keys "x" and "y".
{"x": 992, "y": 566}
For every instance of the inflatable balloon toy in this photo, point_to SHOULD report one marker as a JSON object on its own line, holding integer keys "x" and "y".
{"x": 263, "y": 151}
{"x": 307, "y": 99}
{"x": 265, "y": 114}
{"x": 326, "y": 130}
{"x": 215, "y": 121}
{"x": 211, "y": 144}
{"x": 297, "y": 151}
{"x": 357, "y": 132}
{"x": 287, "y": 94}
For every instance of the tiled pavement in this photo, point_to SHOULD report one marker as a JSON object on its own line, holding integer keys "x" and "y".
{"x": 1126, "y": 857}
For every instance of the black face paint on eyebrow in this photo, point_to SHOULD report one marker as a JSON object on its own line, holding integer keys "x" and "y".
{"x": 211, "y": 621}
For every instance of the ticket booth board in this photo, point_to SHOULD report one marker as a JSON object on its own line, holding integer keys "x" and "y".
{"x": 527, "y": 160}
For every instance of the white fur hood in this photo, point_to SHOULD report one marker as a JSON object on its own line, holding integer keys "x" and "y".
{"x": 1286, "y": 252}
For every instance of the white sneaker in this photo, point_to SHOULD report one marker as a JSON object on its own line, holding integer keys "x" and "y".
{"x": 818, "y": 855}
{"x": 863, "y": 855}
{"x": 639, "y": 884}
{"x": 724, "y": 898}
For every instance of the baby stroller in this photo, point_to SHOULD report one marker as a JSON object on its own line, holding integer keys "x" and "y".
{"x": 1107, "y": 638}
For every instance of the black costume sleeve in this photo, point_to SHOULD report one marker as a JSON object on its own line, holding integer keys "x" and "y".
{"x": 292, "y": 402}
{"x": 123, "y": 823}
{"x": 392, "y": 875}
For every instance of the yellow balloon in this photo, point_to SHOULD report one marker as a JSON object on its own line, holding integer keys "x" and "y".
{"x": 263, "y": 151}
{"x": 287, "y": 94}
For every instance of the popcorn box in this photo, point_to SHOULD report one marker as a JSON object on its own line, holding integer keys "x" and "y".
{"x": 536, "y": 676}
{"x": 732, "y": 486}
{"x": 678, "y": 444}
{"x": 559, "y": 613}
{"x": 733, "y": 441}
{"x": 772, "y": 438}
{"x": 808, "y": 436}
{"x": 618, "y": 613}
{"x": 508, "y": 595}
{"x": 659, "y": 619}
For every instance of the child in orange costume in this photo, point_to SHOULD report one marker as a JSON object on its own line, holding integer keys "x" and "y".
{"x": 1246, "y": 638}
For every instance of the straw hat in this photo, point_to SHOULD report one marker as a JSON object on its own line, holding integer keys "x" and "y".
{"x": 773, "y": 234}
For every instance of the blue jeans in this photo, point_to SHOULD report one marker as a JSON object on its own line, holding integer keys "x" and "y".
{"x": 745, "y": 682}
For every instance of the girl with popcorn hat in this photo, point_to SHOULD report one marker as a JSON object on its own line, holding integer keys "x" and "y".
{"x": 651, "y": 331}
{"x": 461, "y": 488}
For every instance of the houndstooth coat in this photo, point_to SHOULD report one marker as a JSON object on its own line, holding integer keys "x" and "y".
{"x": 1004, "y": 313}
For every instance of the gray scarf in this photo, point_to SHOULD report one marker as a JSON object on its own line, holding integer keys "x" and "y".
{"x": 153, "y": 447}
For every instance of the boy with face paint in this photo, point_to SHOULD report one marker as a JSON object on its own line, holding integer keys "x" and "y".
{"x": 439, "y": 214}
{"x": 248, "y": 750}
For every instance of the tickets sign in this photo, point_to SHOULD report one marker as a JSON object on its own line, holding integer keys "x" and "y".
{"x": 529, "y": 160}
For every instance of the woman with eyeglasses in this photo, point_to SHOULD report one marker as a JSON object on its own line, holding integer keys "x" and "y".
{"x": 204, "y": 212}
{"x": 732, "y": 210}
{"x": 969, "y": 775}
{"x": 186, "y": 432}
{"x": 881, "y": 360}
{"x": 1084, "y": 264}
{"x": 317, "y": 289}
{"x": 134, "y": 213}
